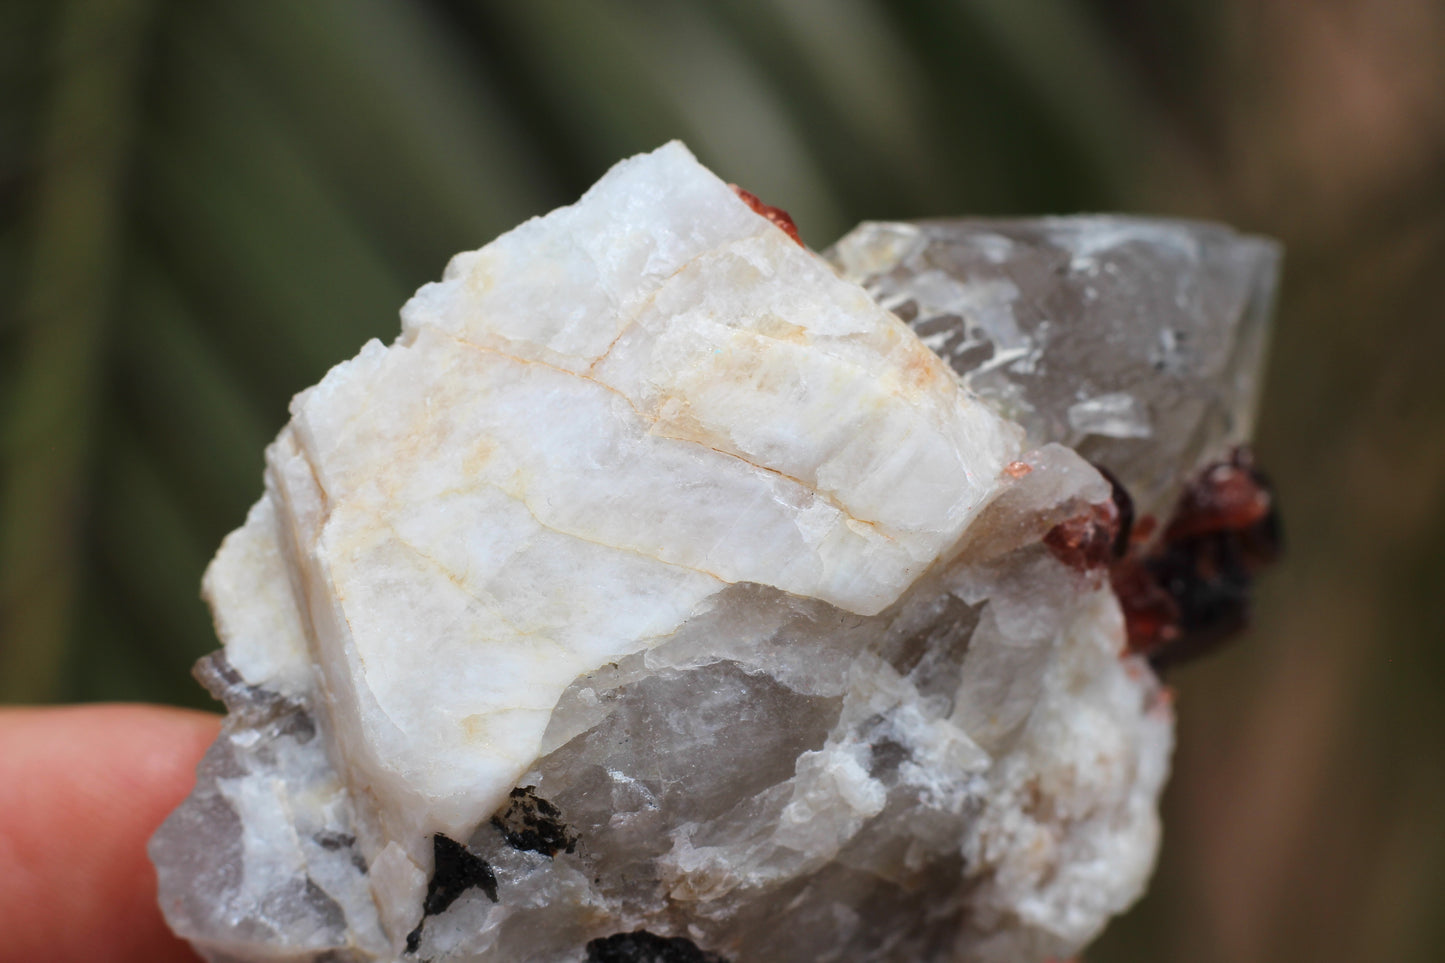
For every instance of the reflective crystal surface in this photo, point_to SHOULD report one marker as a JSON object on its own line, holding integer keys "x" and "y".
{"x": 1137, "y": 342}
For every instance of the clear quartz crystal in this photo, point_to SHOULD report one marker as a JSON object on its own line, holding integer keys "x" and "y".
{"x": 1138, "y": 342}
{"x": 660, "y": 597}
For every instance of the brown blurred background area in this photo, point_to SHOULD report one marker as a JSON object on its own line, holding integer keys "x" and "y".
{"x": 203, "y": 205}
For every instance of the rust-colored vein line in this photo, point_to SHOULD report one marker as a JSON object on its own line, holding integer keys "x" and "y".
{"x": 652, "y": 421}
{"x": 616, "y": 548}
{"x": 457, "y": 580}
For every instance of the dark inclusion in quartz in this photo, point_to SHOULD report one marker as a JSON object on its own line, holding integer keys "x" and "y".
{"x": 533, "y": 824}
{"x": 457, "y": 870}
{"x": 644, "y": 947}
{"x": 251, "y": 704}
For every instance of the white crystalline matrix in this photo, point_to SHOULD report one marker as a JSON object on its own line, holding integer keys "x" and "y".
{"x": 660, "y": 596}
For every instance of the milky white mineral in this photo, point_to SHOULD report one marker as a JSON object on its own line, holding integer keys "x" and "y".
{"x": 659, "y": 595}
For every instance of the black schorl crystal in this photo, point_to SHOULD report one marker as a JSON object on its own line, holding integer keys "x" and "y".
{"x": 644, "y": 947}
{"x": 532, "y": 823}
{"x": 457, "y": 871}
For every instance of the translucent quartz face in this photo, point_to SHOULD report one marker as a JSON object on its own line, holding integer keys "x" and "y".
{"x": 1138, "y": 342}
{"x": 659, "y": 594}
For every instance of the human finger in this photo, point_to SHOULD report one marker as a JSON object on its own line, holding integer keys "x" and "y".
{"x": 82, "y": 788}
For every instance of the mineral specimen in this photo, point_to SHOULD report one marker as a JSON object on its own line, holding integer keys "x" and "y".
{"x": 659, "y": 595}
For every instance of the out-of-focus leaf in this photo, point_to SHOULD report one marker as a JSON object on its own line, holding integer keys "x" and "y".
{"x": 1078, "y": 77}
{"x": 395, "y": 113}
{"x": 69, "y": 261}
{"x": 856, "y": 96}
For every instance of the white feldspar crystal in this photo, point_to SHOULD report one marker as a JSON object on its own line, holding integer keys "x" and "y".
{"x": 658, "y": 579}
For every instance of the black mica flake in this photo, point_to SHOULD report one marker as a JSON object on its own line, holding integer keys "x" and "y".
{"x": 644, "y": 947}
{"x": 885, "y": 756}
{"x": 457, "y": 869}
{"x": 533, "y": 824}
{"x": 331, "y": 840}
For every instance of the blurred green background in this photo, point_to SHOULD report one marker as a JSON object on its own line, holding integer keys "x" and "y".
{"x": 204, "y": 205}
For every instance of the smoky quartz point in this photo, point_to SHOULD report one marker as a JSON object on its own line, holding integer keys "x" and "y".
{"x": 1138, "y": 342}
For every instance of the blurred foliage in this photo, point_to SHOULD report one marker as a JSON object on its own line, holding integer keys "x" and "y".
{"x": 204, "y": 205}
